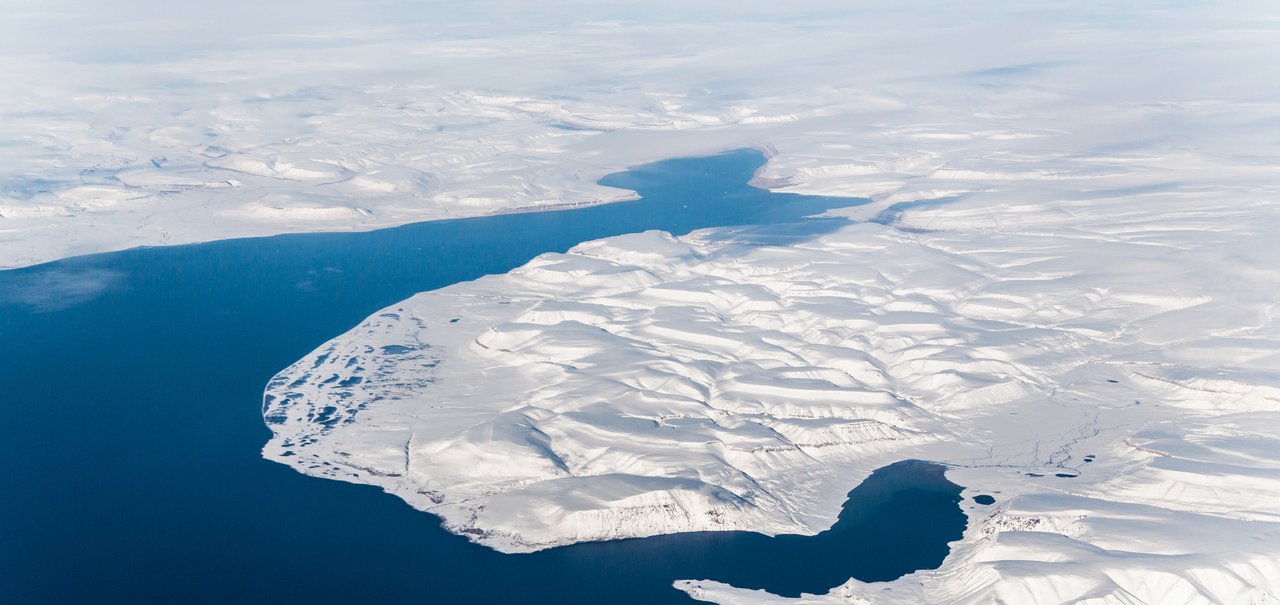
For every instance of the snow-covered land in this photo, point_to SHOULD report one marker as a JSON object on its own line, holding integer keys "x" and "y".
{"x": 1107, "y": 364}
{"x": 1097, "y": 297}
{"x": 145, "y": 123}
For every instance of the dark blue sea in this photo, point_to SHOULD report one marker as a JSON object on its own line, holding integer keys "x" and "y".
{"x": 130, "y": 426}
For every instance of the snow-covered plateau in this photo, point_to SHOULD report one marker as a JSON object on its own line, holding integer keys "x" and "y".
{"x": 1106, "y": 365}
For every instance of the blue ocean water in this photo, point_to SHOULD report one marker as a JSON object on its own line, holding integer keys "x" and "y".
{"x": 131, "y": 385}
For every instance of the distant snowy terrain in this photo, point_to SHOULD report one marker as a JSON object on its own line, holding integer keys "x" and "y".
{"x": 1107, "y": 366}
{"x": 143, "y": 123}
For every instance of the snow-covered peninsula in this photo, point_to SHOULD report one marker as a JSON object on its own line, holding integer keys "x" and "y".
{"x": 1105, "y": 365}
{"x": 1069, "y": 298}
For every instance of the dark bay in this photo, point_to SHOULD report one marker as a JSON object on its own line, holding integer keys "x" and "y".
{"x": 131, "y": 384}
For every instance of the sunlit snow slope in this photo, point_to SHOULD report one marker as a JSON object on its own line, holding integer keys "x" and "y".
{"x": 1108, "y": 367}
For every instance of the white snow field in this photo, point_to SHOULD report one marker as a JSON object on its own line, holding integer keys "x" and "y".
{"x": 136, "y": 122}
{"x": 1124, "y": 346}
